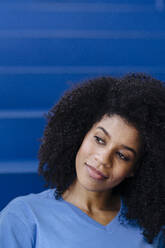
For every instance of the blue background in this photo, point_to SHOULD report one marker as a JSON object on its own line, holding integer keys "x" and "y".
{"x": 47, "y": 45}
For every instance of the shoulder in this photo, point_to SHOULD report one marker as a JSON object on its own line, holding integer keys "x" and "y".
{"x": 159, "y": 241}
{"x": 21, "y": 216}
{"x": 18, "y": 222}
{"x": 132, "y": 230}
{"x": 22, "y": 207}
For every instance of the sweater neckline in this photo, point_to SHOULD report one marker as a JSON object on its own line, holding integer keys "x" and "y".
{"x": 110, "y": 227}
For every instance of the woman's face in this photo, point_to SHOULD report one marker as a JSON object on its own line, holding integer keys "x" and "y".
{"x": 107, "y": 154}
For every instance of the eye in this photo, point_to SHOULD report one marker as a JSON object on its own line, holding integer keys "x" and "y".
{"x": 122, "y": 156}
{"x": 99, "y": 140}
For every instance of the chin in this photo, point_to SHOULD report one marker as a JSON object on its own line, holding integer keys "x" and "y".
{"x": 93, "y": 188}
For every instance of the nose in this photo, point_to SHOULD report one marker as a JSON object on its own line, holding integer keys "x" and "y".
{"x": 104, "y": 158}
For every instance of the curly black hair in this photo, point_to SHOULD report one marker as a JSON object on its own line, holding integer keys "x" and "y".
{"x": 140, "y": 100}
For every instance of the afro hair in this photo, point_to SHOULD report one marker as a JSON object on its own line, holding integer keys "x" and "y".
{"x": 140, "y": 100}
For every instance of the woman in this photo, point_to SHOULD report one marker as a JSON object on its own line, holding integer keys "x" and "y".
{"x": 102, "y": 154}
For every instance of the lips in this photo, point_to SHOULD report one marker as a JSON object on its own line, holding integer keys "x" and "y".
{"x": 95, "y": 173}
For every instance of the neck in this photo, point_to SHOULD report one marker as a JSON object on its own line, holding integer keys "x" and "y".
{"x": 91, "y": 201}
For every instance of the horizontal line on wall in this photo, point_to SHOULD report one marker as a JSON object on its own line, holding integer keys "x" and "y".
{"x": 79, "y": 69}
{"x": 82, "y": 34}
{"x": 19, "y": 114}
{"x": 79, "y": 7}
{"x": 28, "y": 166}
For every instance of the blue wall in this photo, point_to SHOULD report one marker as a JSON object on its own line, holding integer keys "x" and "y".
{"x": 47, "y": 45}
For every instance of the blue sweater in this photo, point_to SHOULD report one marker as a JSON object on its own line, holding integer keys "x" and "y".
{"x": 41, "y": 221}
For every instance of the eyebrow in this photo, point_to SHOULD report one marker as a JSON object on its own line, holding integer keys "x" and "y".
{"x": 124, "y": 146}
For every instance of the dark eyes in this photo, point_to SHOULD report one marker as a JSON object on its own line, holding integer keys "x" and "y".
{"x": 99, "y": 140}
{"x": 122, "y": 156}
{"x": 119, "y": 154}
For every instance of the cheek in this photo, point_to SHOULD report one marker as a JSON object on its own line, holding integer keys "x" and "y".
{"x": 84, "y": 150}
{"x": 80, "y": 157}
{"x": 83, "y": 155}
{"x": 121, "y": 172}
